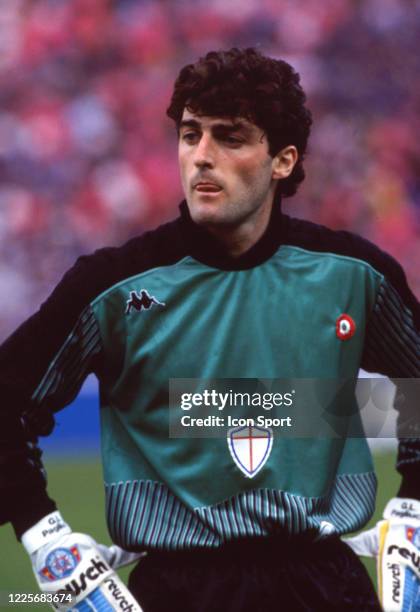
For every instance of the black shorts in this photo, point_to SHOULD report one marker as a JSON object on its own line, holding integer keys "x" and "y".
{"x": 276, "y": 574}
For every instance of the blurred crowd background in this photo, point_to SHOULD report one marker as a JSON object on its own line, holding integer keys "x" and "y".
{"x": 88, "y": 157}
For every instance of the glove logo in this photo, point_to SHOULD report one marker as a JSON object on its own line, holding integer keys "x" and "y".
{"x": 92, "y": 573}
{"x": 405, "y": 553}
{"x": 345, "y": 327}
{"x": 396, "y": 581}
{"x": 413, "y": 535}
{"x": 60, "y": 563}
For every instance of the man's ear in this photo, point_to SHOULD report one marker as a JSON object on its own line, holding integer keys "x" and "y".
{"x": 284, "y": 162}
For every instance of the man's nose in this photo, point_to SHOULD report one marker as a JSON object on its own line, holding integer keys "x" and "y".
{"x": 205, "y": 152}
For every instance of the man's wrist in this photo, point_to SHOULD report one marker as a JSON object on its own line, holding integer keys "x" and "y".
{"x": 45, "y": 531}
{"x": 402, "y": 508}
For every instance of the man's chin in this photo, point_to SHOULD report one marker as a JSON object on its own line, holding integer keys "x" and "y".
{"x": 207, "y": 213}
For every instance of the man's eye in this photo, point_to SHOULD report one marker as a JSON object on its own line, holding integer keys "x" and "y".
{"x": 189, "y": 137}
{"x": 232, "y": 140}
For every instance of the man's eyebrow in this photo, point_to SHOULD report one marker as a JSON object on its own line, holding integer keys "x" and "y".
{"x": 227, "y": 127}
{"x": 237, "y": 126}
{"x": 189, "y": 123}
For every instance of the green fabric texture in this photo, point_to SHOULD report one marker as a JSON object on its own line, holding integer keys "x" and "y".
{"x": 210, "y": 323}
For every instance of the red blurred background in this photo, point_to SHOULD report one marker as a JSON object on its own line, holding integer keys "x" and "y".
{"x": 88, "y": 157}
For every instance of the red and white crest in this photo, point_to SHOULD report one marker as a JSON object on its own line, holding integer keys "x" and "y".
{"x": 250, "y": 448}
{"x": 345, "y": 327}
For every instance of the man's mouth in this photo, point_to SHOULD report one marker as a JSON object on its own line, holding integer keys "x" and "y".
{"x": 205, "y": 187}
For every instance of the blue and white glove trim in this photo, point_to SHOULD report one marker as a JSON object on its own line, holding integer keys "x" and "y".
{"x": 73, "y": 569}
{"x": 395, "y": 542}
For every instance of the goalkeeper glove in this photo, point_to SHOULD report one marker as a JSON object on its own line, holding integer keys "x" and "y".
{"x": 395, "y": 542}
{"x": 74, "y": 571}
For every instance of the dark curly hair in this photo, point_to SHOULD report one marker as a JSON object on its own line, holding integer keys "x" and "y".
{"x": 245, "y": 83}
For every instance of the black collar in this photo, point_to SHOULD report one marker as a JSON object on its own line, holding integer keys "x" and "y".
{"x": 207, "y": 249}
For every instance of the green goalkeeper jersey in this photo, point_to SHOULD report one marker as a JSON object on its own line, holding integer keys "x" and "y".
{"x": 304, "y": 303}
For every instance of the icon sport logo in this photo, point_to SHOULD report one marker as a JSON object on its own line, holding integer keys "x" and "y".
{"x": 250, "y": 447}
{"x": 60, "y": 563}
{"x": 141, "y": 301}
{"x": 345, "y": 327}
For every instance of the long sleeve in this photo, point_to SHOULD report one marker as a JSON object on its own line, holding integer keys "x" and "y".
{"x": 392, "y": 348}
{"x": 42, "y": 366}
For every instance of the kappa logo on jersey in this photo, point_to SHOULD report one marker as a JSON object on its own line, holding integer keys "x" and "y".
{"x": 142, "y": 301}
{"x": 60, "y": 563}
{"x": 345, "y": 327}
{"x": 250, "y": 448}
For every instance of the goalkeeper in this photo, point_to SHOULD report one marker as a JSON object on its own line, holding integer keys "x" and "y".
{"x": 232, "y": 288}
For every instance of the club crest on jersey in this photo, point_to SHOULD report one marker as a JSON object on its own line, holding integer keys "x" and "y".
{"x": 345, "y": 327}
{"x": 141, "y": 301}
{"x": 60, "y": 563}
{"x": 250, "y": 448}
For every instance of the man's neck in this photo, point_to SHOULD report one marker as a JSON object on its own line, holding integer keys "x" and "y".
{"x": 240, "y": 239}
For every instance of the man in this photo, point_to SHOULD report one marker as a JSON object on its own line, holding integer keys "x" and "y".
{"x": 231, "y": 289}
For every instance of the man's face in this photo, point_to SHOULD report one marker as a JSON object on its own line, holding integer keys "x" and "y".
{"x": 226, "y": 169}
